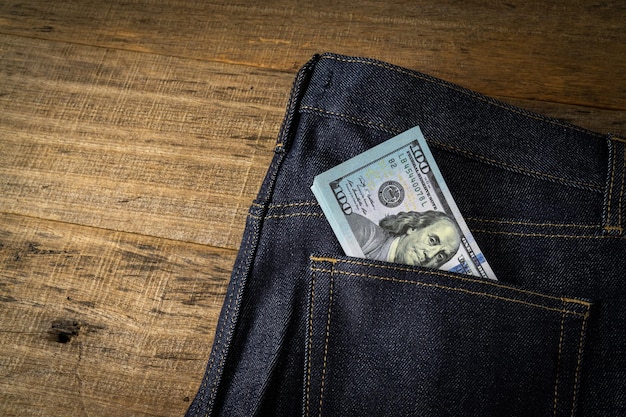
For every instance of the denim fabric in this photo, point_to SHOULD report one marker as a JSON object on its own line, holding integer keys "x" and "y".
{"x": 307, "y": 331}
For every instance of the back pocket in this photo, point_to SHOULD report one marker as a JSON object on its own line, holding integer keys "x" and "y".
{"x": 385, "y": 339}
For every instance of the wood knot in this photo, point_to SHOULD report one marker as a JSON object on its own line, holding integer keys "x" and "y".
{"x": 63, "y": 330}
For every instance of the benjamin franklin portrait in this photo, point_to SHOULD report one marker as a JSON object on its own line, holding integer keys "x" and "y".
{"x": 427, "y": 239}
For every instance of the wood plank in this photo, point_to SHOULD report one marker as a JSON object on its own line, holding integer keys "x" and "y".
{"x": 136, "y": 142}
{"x": 103, "y": 323}
{"x": 565, "y": 51}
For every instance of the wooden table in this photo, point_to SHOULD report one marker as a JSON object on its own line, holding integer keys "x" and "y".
{"x": 134, "y": 136}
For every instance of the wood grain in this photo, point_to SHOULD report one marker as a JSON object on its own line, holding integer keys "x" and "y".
{"x": 560, "y": 51}
{"x": 97, "y": 322}
{"x": 135, "y": 142}
{"x": 134, "y": 136}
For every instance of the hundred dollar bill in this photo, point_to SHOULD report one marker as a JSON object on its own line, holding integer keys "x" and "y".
{"x": 391, "y": 203}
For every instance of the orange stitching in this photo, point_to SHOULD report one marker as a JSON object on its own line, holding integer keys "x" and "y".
{"x": 493, "y": 232}
{"x": 310, "y": 346}
{"x": 575, "y": 301}
{"x": 299, "y": 204}
{"x": 621, "y": 193}
{"x": 444, "y": 274}
{"x": 302, "y": 203}
{"x": 278, "y": 216}
{"x": 558, "y": 364}
{"x": 330, "y": 305}
{"x": 463, "y": 91}
{"x": 579, "y": 360}
{"x": 323, "y": 259}
{"x": 618, "y": 139}
{"x": 582, "y": 226}
{"x": 356, "y": 119}
{"x": 608, "y": 207}
{"x": 443, "y": 287}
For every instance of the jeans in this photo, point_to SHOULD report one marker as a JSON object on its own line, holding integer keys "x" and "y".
{"x": 305, "y": 330}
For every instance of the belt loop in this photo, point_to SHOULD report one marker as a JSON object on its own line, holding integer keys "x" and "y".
{"x": 614, "y": 213}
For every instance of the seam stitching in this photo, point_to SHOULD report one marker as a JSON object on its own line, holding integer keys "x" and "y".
{"x": 443, "y": 145}
{"x": 475, "y": 219}
{"x": 444, "y": 287}
{"x": 608, "y": 208}
{"x": 353, "y": 118}
{"x": 579, "y": 361}
{"x": 310, "y": 346}
{"x": 228, "y": 316}
{"x": 279, "y": 216}
{"x": 330, "y": 305}
{"x": 521, "y": 223}
{"x": 456, "y": 277}
{"x": 557, "y": 236}
{"x": 298, "y": 204}
{"x": 463, "y": 91}
{"x": 558, "y": 364}
{"x": 621, "y": 193}
{"x": 217, "y": 344}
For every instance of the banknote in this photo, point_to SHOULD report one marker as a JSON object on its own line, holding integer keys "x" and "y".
{"x": 392, "y": 204}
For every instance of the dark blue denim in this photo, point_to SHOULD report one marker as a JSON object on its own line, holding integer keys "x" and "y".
{"x": 307, "y": 331}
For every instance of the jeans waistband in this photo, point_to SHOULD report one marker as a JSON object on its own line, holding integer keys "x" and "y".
{"x": 458, "y": 120}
